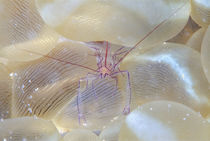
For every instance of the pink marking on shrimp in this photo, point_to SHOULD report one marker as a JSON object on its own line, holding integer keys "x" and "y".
{"x": 106, "y": 53}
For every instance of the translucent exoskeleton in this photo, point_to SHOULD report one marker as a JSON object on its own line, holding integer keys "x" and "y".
{"x": 107, "y": 68}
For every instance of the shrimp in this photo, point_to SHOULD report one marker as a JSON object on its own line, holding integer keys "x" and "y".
{"x": 107, "y": 67}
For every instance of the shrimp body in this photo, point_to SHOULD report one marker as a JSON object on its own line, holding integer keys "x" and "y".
{"x": 105, "y": 64}
{"x": 104, "y": 71}
{"x": 107, "y": 69}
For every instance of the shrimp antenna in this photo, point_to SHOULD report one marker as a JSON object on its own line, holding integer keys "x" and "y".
{"x": 66, "y": 62}
{"x": 148, "y": 34}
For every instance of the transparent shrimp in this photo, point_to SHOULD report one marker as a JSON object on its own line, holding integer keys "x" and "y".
{"x": 108, "y": 66}
{"x": 106, "y": 69}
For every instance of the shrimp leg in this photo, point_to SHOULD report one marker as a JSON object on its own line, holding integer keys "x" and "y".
{"x": 82, "y": 86}
{"x": 128, "y": 91}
